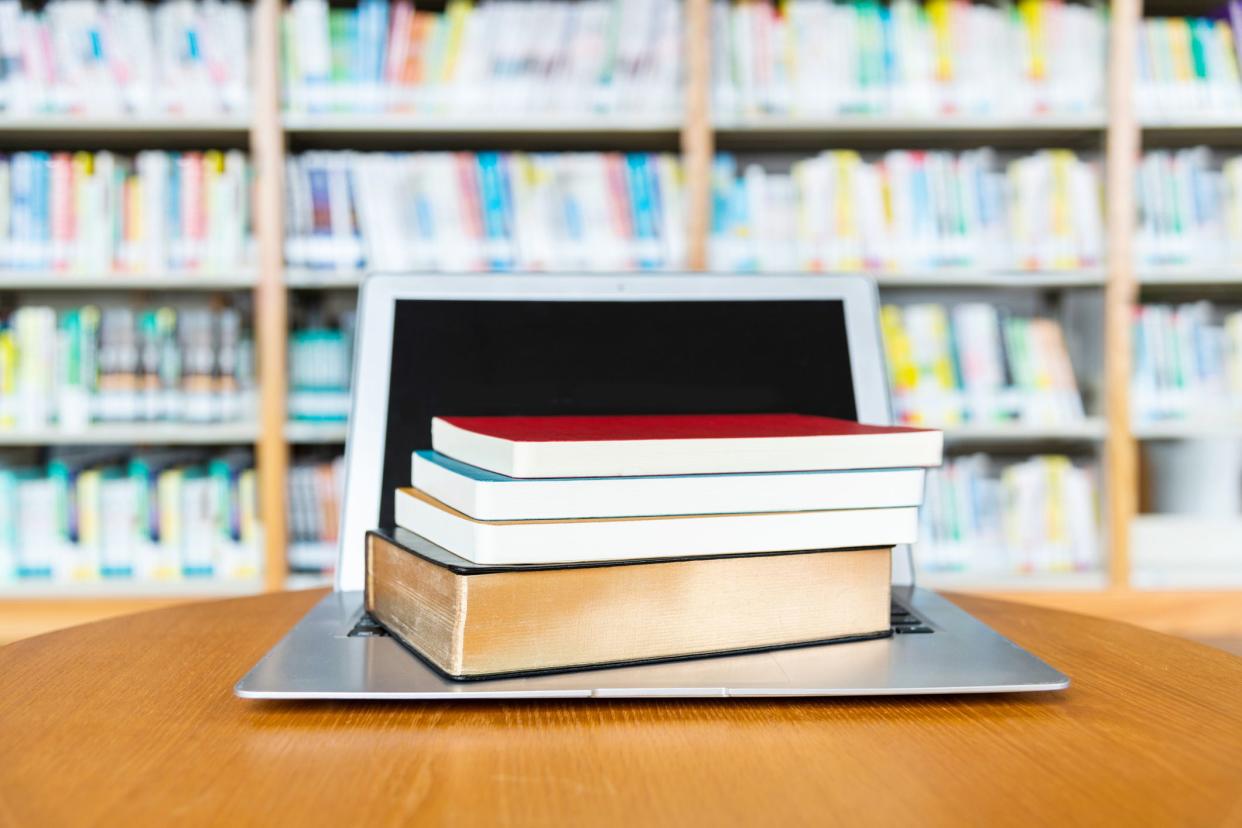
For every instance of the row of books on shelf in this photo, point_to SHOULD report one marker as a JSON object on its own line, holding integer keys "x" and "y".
{"x": 1187, "y": 363}
{"x": 989, "y": 517}
{"x": 320, "y": 366}
{"x": 908, "y": 210}
{"x": 596, "y": 57}
{"x": 1188, "y": 66}
{"x": 976, "y": 363}
{"x": 801, "y": 59}
{"x": 120, "y": 364}
{"x": 825, "y": 58}
{"x": 92, "y": 514}
{"x": 96, "y": 212}
{"x": 566, "y": 211}
{"x": 1190, "y": 208}
{"x": 316, "y": 488}
{"x": 125, "y": 57}
{"x": 484, "y": 211}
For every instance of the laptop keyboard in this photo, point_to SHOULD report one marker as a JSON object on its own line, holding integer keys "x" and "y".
{"x": 904, "y": 623}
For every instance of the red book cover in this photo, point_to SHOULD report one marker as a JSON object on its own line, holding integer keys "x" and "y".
{"x": 568, "y": 429}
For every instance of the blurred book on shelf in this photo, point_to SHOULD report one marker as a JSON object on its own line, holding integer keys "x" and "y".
{"x": 124, "y": 58}
{"x": 488, "y": 60}
{"x": 975, "y": 363}
{"x": 484, "y": 211}
{"x": 320, "y": 366}
{"x": 1198, "y": 551}
{"x": 316, "y": 488}
{"x": 808, "y": 59}
{"x": 1187, "y": 364}
{"x": 120, "y": 364}
{"x": 1188, "y": 67}
{"x": 990, "y": 517}
{"x": 908, "y": 210}
{"x": 99, "y": 213}
{"x": 1190, "y": 208}
{"x": 92, "y": 514}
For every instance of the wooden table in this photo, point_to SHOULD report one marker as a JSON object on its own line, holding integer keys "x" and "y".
{"x": 133, "y": 721}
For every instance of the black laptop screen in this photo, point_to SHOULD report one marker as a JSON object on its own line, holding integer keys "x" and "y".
{"x": 490, "y": 358}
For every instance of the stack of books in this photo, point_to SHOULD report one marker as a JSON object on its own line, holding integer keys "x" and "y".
{"x": 986, "y": 517}
{"x": 125, "y": 57}
{"x": 1188, "y": 67}
{"x": 976, "y": 363}
{"x": 96, "y": 213}
{"x": 908, "y": 210}
{"x": 484, "y": 211}
{"x": 119, "y": 364}
{"x": 529, "y": 544}
{"x": 820, "y": 58}
{"x": 485, "y": 61}
{"x": 92, "y": 514}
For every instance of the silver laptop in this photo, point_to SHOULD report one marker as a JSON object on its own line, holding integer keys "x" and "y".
{"x": 459, "y": 344}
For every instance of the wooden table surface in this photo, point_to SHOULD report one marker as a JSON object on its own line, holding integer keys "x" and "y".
{"x": 133, "y": 721}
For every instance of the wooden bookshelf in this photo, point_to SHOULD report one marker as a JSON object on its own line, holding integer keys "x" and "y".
{"x": 1116, "y": 133}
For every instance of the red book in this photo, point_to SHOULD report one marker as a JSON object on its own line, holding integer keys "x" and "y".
{"x": 638, "y": 445}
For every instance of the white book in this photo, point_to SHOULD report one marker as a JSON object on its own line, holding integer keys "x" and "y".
{"x": 486, "y": 495}
{"x": 625, "y": 446}
{"x": 640, "y": 538}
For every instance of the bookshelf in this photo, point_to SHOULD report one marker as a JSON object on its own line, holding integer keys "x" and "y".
{"x": 270, "y": 135}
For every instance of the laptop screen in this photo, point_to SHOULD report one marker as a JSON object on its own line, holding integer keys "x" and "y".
{"x": 572, "y": 357}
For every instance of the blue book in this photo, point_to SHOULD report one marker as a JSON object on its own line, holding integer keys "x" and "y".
{"x": 493, "y": 199}
{"x": 486, "y": 495}
{"x": 642, "y": 212}
{"x": 42, "y": 205}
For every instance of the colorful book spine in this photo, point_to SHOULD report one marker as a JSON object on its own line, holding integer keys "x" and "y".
{"x": 97, "y": 214}
{"x": 490, "y": 211}
{"x": 998, "y": 518}
{"x": 89, "y": 364}
{"x": 973, "y": 363}
{"x": 486, "y": 58}
{"x": 909, "y": 211}
{"x": 108, "y": 59}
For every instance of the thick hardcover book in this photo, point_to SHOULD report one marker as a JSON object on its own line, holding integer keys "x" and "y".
{"x": 674, "y": 536}
{"x": 486, "y": 495}
{"x": 472, "y": 622}
{"x": 634, "y": 445}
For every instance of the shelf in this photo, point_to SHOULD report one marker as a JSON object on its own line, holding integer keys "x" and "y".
{"x": 310, "y": 279}
{"x": 309, "y": 433}
{"x": 308, "y": 580}
{"x": 952, "y": 278}
{"x": 126, "y": 590}
{"x": 306, "y": 278}
{"x": 534, "y": 131}
{"x": 1191, "y": 122}
{"x": 77, "y": 132}
{"x": 1090, "y": 430}
{"x": 1013, "y": 582}
{"x": 125, "y": 123}
{"x": 1188, "y": 429}
{"x": 151, "y": 434}
{"x": 1190, "y": 276}
{"x": 523, "y": 124}
{"x": 244, "y": 279}
{"x": 759, "y": 133}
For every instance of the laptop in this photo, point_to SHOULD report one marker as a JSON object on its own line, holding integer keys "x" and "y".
{"x": 656, "y": 344}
